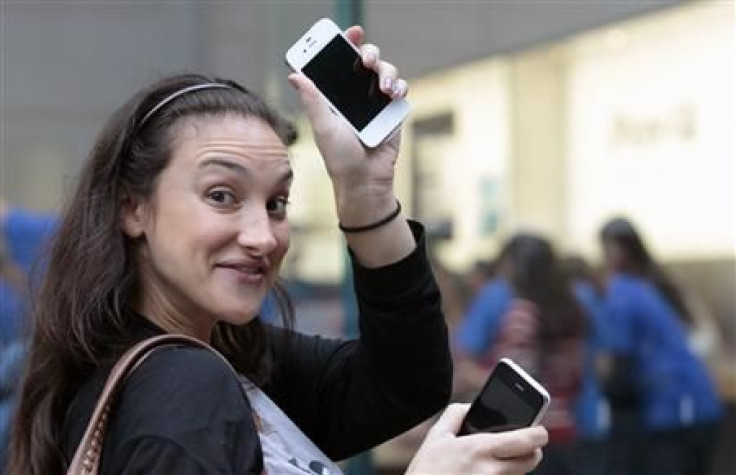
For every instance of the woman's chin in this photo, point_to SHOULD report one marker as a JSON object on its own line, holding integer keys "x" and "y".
{"x": 238, "y": 318}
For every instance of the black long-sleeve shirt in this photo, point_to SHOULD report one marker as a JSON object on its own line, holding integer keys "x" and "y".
{"x": 184, "y": 412}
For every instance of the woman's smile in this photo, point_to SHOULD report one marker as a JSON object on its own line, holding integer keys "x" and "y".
{"x": 247, "y": 272}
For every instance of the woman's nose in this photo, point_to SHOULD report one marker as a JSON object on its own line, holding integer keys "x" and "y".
{"x": 256, "y": 232}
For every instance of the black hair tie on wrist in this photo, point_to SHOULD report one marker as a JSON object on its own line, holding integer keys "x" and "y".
{"x": 377, "y": 224}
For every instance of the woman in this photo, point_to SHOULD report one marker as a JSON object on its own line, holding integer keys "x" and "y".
{"x": 529, "y": 314}
{"x": 646, "y": 330}
{"x": 179, "y": 225}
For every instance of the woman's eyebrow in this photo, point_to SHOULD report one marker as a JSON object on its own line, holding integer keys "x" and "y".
{"x": 238, "y": 168}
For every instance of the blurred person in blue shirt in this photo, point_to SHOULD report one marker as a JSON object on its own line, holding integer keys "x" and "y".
{"x": 13, "y": 298}
{"x": 11, "y": 364}
{"x": 26, "y": 234}
{"x": 646, "y": 333}
{"x": 23, "y": 238}
{"x": 13, "y": 306}
{"x": 23, "y": 235}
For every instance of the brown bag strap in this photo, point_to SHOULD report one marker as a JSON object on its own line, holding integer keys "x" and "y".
{"x": 86, "y": 459}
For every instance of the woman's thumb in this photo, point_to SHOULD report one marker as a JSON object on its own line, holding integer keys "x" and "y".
{"x": 315, "y": 106}
{"x": 450, "y": 420}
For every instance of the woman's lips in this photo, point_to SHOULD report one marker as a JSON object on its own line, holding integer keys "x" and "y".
{"x": 248, "y": 273}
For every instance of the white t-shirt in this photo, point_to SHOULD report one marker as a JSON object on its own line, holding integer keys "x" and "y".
{"x": 286, "y": 450}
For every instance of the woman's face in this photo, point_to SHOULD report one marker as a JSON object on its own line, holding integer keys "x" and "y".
{"x": 614, "y": 256}
{"x": 215, "y": 231}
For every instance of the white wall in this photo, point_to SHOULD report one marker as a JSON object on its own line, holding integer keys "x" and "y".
{"x": 651, "y": 131}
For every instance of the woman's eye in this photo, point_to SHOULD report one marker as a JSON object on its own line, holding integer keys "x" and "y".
{"x": 277, "y": 206}
{"x": 221, "y": 197}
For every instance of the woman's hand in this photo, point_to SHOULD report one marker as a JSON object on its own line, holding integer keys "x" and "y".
{"x": 362, "y": 177}
{"x": 507, "y": 453}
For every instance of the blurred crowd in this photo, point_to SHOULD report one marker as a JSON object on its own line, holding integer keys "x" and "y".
{"x": 620, "y": 346}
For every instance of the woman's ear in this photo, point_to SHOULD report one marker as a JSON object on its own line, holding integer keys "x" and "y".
{"x": 133, "y": 217}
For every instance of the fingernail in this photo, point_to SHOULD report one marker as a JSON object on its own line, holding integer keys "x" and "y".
{"x": 399, "y": 87}
{"x": 292, "y": 80}
{"x": 388, "y": 84}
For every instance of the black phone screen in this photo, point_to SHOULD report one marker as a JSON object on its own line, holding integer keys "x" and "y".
{"x": 339, "y": 74}
{"x": 507, "y": 402}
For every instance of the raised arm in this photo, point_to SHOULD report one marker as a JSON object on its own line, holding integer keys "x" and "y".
{"x": 362, "y": 178}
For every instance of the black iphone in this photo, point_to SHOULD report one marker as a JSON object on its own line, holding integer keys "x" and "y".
{"x": 511, "y": 399}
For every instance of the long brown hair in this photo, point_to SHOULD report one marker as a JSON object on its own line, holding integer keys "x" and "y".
{"x": 536, "y": 275}
{"x": 638, "y": 261}
{"x": 83, "y": 312}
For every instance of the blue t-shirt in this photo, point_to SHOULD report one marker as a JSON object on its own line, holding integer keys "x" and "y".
{"x": 13, "y": 308}
{"x": 675, "y": 386}
{"x": 479, "y": 325}
{"x": 11, "y": 364}
{"x": 26, "y": 234}
{"x": 591, "y": 409}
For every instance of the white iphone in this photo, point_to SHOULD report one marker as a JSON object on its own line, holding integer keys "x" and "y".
{"x": 511, "y": 399}
{"x": 352, "y": 91}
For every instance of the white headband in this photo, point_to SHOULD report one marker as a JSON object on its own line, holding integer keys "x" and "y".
{"x": 181, "y": 92}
